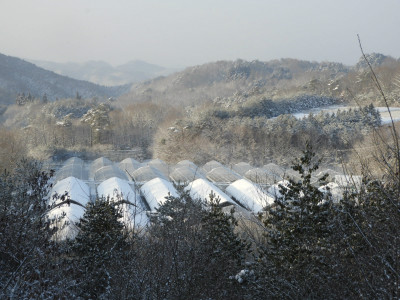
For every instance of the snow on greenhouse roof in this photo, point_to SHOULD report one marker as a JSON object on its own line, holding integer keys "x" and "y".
{"x": 185, "y": 174}
{"x": 222, "y": 175}
{"x": 211, "y": 165}
{"x": 76, "y": 170}
{"x": 335, "y": 190}
{"x": 274, "y": 191}
{"x": 107, "y": 172}
{"x": 146, "y": 173}
{"x": 202, "y": 188}
{"x": 346, "y": 181}
{"x": 241, "y": 168}
{"x": 118, "y": 189}
{"x": 249, "y": 195}
{"x": 97, "y": 164}
{"x": 78, "y": 191}
{"x": 129, "y": 165}
{"x": 262, "y": 176}
{"x": 161, "y": 166}
{"x": 156, "y": 190}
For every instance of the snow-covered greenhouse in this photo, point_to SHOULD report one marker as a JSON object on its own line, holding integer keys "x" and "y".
{"x": 156, "y": 190}
{"x": 202, "y": 189}
{"x": 66, "y": 215}
{"x": 249, "y": 195}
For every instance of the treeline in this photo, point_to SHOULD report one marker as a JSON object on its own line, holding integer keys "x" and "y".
{"x": 305, "y": 245}
{"x": 258, "y": 140}
{"x": 257, "y": 131}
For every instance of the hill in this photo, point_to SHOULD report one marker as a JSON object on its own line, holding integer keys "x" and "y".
{"x": 103, "y": 73}
{"x": 19, "y": 76}
{"x": 223, "y": 79}
{"x": 229, "y": 83}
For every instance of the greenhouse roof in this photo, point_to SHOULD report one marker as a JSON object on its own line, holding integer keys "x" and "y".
{"x": 73, "y": 160}
{"x": 74, "y": 169}
{"x": 97, "y": 164}
{"x": 222, "y": 175}
{"x": 185, "y": 174}
{"x": 211, "y": 165}
{"x": 156, "y": 190}
{"x": 161, "y": 166}
{"x": 186, "y": 163}
{"x": 202, "y": 188}
{"x": 146, "y": 173}
{"x": 249, "y": 195}
{"x": 118, "y": 189}
{"x": 261, "y": 176}
{"x": 110, "y": 171}
{"x": 241, "y": 168}
{"x": 129, "y": 165}
{"x": 78, "y": 191}
{"x": 275, "y": 170}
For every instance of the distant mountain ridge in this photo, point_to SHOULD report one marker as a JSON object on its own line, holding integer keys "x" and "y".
{"x": 20, "y": 76}
{"x": 100, "y": 72}
{"x": 227, "y": 83}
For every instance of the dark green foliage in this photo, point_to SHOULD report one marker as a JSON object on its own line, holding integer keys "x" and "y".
{"x": 98, "y": 246}
{"x": 195, "y": 251}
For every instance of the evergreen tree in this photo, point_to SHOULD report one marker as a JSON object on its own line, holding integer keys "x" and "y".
{"x": 298, "y": 227}
{"x": 98, "y": 246}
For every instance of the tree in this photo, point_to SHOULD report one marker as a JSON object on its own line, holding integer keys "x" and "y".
{"x": 297, "y": 229}
{"x": 193, "y": 251}
{"x": 97, "y": 247}
{"x": 98, "y": 120}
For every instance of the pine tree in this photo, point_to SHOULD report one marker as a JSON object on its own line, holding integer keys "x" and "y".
{"x": 298, "y": 227}
{"x": 98, "y": 245}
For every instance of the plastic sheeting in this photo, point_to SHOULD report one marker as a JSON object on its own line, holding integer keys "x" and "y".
{"x": 241, "y": 168}
{"x": 156, "y": 190}
{"x": 76, "y": 170}
{"x": 147, "y": 173}
{"x": 261, "y": 176}
{"x": 249, "y": 195}
{"x": 161, "y": 166}
{"x": 107, "y": 172}
{"x": 222, "y": 175}
{"x": 97, "y": 164}
{"x": 185, "y": 174}
{"x": 211, "y": 165}
{"x": 129, "y": 165}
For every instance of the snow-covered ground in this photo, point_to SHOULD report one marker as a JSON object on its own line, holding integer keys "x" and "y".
{"x": 334, "y": 108}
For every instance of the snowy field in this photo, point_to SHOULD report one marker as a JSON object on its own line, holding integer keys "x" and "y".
{"x": 334, "y": 108}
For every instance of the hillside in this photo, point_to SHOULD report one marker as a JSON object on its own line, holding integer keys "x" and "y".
{"x": 228, "y": 83}
{"x": 222, "y": 79}
{"x": 19, "y": 76}
{"x": 103, "y": 73}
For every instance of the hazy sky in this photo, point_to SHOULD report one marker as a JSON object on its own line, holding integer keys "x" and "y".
{"x": 176, "y": 33}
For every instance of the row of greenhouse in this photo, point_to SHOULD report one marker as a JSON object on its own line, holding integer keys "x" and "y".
{"x": 185, "y": 171}
{"x": 141, "y": 188}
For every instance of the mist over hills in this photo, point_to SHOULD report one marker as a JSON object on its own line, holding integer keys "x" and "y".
{"x": 20, "y": 76}
{"x": 100, "y": 72}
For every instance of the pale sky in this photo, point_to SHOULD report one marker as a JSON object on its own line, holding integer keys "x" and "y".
{"x": 178, "y": 33}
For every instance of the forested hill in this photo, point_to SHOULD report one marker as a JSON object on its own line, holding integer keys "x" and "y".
{"x": 19, "y": 76}
{"x": 232, "y": 82}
